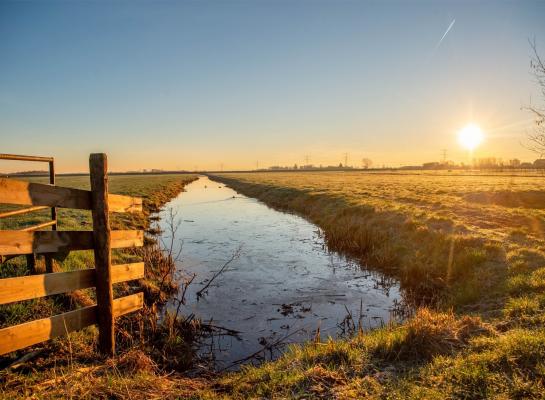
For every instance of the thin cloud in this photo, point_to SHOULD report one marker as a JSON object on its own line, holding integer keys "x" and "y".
{"x": 445, "y": 34}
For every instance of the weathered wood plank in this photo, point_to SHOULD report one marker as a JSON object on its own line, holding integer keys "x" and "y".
{"x": 39, "y": 226}
{"x": 33, "y": 332}
{"x": 124, "y": 239}
{"x": 23, "y": 335}
{"x": 22, "y": 211}
{"x": 127, "y": 272}
{"x": 19, "y": 242}
{"x": 98, "y": 168}
{"x": 128, "y": 304}
{"x": 38, "y": 194}
{"x": 34, "y": 286}
{"x": 19, "y": 157}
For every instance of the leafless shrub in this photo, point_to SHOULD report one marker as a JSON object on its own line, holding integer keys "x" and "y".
{"x": 537, "y": 138}
{"x": 168, "y": 244}
{"x": 161, "y": 258}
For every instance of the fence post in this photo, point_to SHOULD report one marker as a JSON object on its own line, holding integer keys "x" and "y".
{"x": 31, "y": 263}
{"x": 98, "y": 167}
{"x": 49, "y": 263}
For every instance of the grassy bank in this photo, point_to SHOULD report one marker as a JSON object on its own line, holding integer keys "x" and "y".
{"x": 432, "y": 356}
{"x": 454, "y": 240}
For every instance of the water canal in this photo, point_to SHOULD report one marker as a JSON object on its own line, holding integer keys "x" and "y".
{"x": 282, "y": 287}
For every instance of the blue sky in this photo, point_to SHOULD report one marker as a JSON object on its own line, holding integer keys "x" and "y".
{"x": 196, "y": 84}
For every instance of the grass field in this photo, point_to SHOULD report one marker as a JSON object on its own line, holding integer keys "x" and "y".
{"x": 469, "y": 252}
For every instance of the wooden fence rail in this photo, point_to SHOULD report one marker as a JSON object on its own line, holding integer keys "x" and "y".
{"x": 34, "y": 286}
{"x": 101, "y": 240}
{"x": 40, "y": 194}
{"x": 39, "y": 242}
{"x": 37, "y": 331}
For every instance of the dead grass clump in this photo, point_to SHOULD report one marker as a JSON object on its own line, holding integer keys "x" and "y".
{"x": 104, "y": 381}
{"x": 431, "y": 333}
{"x": 334, "y": 356}
{"x": 322, "y": 381}
{"x": 134, "y": 361}
{"x": 519, "y": 308}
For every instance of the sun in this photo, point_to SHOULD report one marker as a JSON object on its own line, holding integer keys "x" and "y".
{"x": 470, "y": 136}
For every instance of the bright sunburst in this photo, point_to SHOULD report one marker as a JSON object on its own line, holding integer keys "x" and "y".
{"x": 470, "y": 136}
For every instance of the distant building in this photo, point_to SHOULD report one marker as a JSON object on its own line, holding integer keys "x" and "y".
{"x": 431, "y": 165}
{"x": 539, "y": 163}
{"x": 514, "y": 163}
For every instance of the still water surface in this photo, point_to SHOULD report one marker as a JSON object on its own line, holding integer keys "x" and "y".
{"x": 284, "y": 284}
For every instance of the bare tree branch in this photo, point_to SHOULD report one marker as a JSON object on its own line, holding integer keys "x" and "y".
{"x": 173, "y": 225}
{"x": 235, "y": 255}
{"x": 181, "y": 299}
{"x": 537, "y": 138}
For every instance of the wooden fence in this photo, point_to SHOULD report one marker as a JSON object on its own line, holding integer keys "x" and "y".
{"x": 31, "y": 258}
{"x": 101, "y": 239}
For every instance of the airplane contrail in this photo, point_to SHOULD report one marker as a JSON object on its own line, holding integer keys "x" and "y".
{"x": 445, "y": 34}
